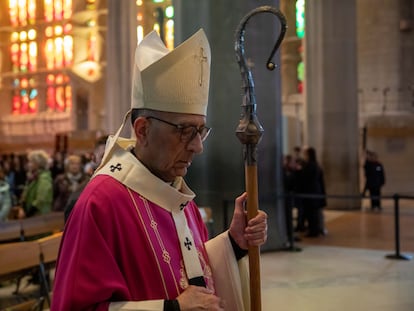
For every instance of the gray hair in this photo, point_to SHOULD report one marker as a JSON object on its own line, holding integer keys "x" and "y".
{"x": 40, "y": 157}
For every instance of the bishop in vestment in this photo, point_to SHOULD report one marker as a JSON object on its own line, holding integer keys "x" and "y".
{"x": 135, "y": 239}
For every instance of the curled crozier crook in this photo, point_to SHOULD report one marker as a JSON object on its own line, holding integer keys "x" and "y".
{"x": 249, "y": 132}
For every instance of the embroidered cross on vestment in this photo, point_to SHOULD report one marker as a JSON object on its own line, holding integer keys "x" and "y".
{"x": 118, "y": 167}
{"x": 188, "y": 243}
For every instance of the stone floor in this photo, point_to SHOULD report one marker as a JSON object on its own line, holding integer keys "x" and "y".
{"x": 345, "y": 270}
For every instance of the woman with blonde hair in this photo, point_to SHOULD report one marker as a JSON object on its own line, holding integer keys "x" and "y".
{"x": 37, "y": 196}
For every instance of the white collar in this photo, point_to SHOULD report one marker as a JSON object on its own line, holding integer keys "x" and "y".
{"x": 122, "y": 165}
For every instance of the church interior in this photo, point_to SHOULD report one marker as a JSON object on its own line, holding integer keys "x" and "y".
{"x": 344, "y": 85}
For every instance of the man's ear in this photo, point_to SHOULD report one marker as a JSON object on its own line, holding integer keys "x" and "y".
{"x": 141, "y": 129}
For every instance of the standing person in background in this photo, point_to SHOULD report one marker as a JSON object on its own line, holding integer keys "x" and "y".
{"x": 10, "y": 176}
{"x": 311, "y": 181}
{"x": 67, "y": 183}
{"x": 374, "y": 179}
{"x": 58, "y": 164}
{"x": 135, "y": 239}
{"x": 20, "y": 176}
{"x": 97, "y": 157}
{"x": 298, "y": 163}
{"x": 5, "y": 197}
{"x": 37, "y": 196}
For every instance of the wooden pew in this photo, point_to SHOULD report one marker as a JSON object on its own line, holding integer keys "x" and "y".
{"x": 18, "y": 258}
{"x": 49, "y": 247}
{"x": 48, "y": 252}
{"x": 10, "y": 230}
{"x": 27, "y": 228}
{"x": 42, "y": 224}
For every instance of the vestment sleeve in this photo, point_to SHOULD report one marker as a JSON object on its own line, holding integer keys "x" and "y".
{"x": 230, "y": 276}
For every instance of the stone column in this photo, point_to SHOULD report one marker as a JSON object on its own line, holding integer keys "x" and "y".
{"x": 121, "y": 41}
{"x": 289, "y": 51}
{"x": 331, "y": 95}
{"x": 217, "y": 176}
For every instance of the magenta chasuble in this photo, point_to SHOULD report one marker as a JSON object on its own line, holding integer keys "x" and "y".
{"x": 133, "y": 240}
{"x": 103, "y": 262}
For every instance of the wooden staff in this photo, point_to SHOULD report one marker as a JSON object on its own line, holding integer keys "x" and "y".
{"x": 249, "y": 132}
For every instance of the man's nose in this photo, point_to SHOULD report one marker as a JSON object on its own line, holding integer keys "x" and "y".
{"x": 195, "y": 145}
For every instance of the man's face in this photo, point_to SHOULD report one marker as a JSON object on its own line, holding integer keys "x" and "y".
{"x": 165, "y": 154}
{"x": 75, "y": 165}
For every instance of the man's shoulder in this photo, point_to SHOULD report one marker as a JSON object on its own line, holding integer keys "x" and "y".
{"x": 104, "y": 185}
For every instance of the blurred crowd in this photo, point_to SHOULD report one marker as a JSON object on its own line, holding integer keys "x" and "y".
{"x": 304, "y": 187}
{"x": 37, "y": 182}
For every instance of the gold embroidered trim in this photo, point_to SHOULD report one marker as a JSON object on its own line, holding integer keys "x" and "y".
{"x": 165, "y": 254}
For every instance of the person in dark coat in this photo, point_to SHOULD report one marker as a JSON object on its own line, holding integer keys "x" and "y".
{"x": 311, "y": 181}
{"x": 374, "y": 179}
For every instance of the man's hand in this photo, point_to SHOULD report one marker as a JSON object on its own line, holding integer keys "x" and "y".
{"x": 253, "y": 233}
{"x": 196, "y": 298}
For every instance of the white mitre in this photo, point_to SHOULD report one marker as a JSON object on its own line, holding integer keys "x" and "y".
{"x": 172, "y": 81}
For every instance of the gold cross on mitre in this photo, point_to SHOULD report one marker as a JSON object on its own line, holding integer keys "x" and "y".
{"x": 202, "y": 58}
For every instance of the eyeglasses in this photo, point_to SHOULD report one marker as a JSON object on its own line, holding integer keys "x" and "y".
{"x": 187, "y": 133}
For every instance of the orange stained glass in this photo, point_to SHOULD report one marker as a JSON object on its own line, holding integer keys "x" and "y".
{"x": 59, "y": 78}
{"x": 169, "y": 34}
{"x": 31, "y": 10}
{"x": 32, "y": 106}
{"x": 16, "y": 104}
{"x": 32, "y": 56}
{"x": 24, "y": 102}
{"x": 22, "y": 12}
{"x": 92, "y": 48}
{"x": 60, "y": 98}
{"x": 50, "y": 97}
{"x": 67, "y": 28}
{"x": 48, "y": 10}
{"x": 50, "y": 79}
{"x": 24, "y": 57}
{"x": 14, "y": 52}
{"x": 58, "y": 9}
{"x": 23, "y": 36}
{"x": 49, "y": 31}
{"x": 90, "y": 4}
{"x": 13, "y": 12}
{"x": 24, "y": 83}
{"x": 67, "y": 9}
{"x": 58, "y": 93}
{"x": 68, "y": 93}
{"x": 58, "y": 30}
{"x": 31, "y": 34}
{"x": 58, "y": 52}
{"x": 50, "y": 52}
{"x": 14, "y": 36}
{"x": 68, "y": 50}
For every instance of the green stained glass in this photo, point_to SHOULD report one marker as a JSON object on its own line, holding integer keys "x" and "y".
{"x": 169, "y": 11}
{"x": 301, "y": 71}
{"x": 300, "y": 18}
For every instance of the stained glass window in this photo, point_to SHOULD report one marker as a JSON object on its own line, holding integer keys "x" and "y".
{"x": 22, "y": 12}
{"x": 23, "y": 51}
{"x": 300, "y": 32}
{"x": 57, "y": 42}
{"x": 58, "y": 46}
{"x": 58, "y": 93}
{"x": 25, "y": 96}
{"x": 300, "y": 18}
{"x": 161, "y": 20}
{"x": 59, "y": 54}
